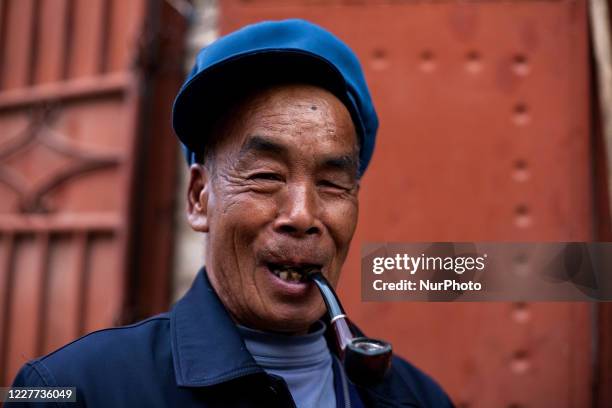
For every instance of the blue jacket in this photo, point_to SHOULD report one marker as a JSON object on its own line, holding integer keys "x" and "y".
{"x": 193, "y": 356}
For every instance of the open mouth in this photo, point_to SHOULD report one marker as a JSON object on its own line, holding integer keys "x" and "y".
{"x": 293, "y": 273}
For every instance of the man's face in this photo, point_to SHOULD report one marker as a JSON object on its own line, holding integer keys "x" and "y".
{"x": 280, "y": 200}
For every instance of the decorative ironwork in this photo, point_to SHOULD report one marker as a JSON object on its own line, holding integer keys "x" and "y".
{"x": 64, "y": 160}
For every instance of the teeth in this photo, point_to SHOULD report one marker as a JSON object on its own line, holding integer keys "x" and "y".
{"x": 290, "y": 276}
{"x": 293, "y": 274}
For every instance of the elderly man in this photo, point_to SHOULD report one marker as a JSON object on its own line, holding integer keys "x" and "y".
{"x": 278, "y": 126}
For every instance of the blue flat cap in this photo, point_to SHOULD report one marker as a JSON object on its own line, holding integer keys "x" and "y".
{"x": 293, "y": 50}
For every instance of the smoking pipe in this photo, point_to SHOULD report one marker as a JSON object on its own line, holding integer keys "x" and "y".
{"x": 365, "y": 360}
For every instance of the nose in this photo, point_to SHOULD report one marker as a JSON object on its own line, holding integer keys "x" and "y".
{"x": 299, "y": 213}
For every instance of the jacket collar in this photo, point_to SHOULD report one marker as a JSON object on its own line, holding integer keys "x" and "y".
{"x": 207, "y": 348}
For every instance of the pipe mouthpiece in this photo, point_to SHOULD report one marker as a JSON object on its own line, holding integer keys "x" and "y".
{"x": 366, "y": 361}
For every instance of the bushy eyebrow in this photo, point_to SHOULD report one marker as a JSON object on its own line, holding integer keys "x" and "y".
{"x": 346, "y": 163}
{"x": 262, "y": 144}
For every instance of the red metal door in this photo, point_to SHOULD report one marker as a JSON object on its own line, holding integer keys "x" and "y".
{"x": 484, "y": 110}
{"x": 69, "y": 101}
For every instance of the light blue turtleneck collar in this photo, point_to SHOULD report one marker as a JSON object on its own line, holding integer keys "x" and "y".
{"x": 304, "y": 362}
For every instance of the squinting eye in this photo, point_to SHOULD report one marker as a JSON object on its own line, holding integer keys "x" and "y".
{"x": 329, "y": 184}
{"x": 266, "y": 176}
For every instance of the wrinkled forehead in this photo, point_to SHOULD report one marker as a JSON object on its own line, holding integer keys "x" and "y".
{"x": 287, "y": 109}
{"x": 288, "y": 103}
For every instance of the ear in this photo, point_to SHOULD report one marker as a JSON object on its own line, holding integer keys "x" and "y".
{"x": 197, "y": 198}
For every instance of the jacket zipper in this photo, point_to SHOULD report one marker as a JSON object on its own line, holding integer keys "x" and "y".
{"x": 345, "y": 390}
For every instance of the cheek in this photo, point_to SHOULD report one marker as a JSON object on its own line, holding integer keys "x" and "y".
{"x": 342, "y": 227}
{"x": 240, "y": 217}
{"x": 342, "y": 221}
